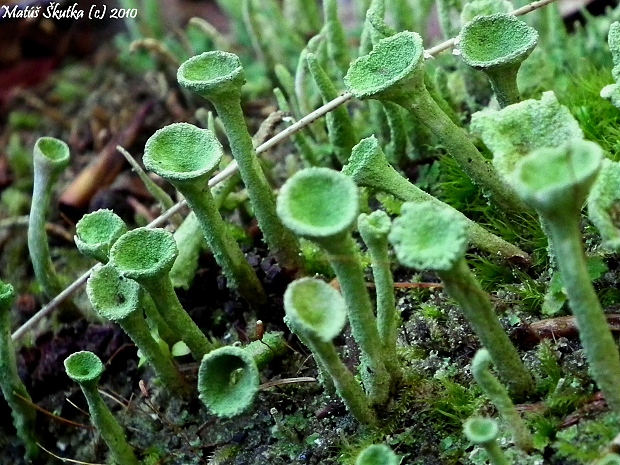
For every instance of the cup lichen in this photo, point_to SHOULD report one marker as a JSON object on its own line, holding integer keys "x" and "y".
{"x": 218, "y": 77}
{"x": 317, "y": 313}
{"x": 85, "y": 368}
{"x": 186, "y": 156}
{"x": 322, "y": 205}
{"x": 556, "y": 182}
{"x": 394, "y": 71}
{"x": 497, "y": 44}
{"x": 96, "y": 232}
{"x": 119, "y": 299}
{"x": 427, "y": 237}
{"x": 146, "y": 255}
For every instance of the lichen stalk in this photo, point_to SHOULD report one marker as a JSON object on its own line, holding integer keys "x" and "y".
{"x": 339, "y": 125}
{"x": 121, "y": 300}
{"x": 321, "y": 204}
{"x": 368, "y": 167}
{"x": 146, "y": 255}
{"x": 428, "y": 237}
{"x": 85, "y": 368}
{"x": 51, "y": 157}
{"x": 316, "y": 312}
{"x": 224, "y": 92}
{"x": 481, "y": 370}
{"x": 558, "y": 200}
{"x": 13, "y": 389}
{"x": 394, "y": 71}
{"x": 374, "y": 229}
{"x": 343, "y": 258}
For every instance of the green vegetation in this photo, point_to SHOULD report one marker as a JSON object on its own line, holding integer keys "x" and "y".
{"x": 438, "y": 194}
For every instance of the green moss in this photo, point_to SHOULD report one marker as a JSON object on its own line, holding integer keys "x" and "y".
{"x": 598, "y": 118}
{"x": 584, "y": 441}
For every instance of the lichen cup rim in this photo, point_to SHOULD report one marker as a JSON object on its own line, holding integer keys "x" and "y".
{"x": 97, "y": 230}
{"x": 481, "y": 430}
{"x": 315, "y": 306}
{"x": 428, "y": 237}
{"x": 52, "y": 150}
{"x": 83, "y": 367}
{"x": 358, "y": 73}
{"x": 150, "y": 259}
{"x": 552, "y": 189}
{"x": 212, "y": 375}
{"x": 329, "y": 209}
{"x": 182, "y": 152}
{"x": 113, "y": 296}
{"x": 200, "y": 73}
{"x": 515, "y": 56}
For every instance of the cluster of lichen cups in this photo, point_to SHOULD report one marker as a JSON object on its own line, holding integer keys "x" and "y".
{"x": 322, "y": 205}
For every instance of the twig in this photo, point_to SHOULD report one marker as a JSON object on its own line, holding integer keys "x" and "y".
{"x": 51, "y": 415}
{"x": 280, "y": 382}
{"x": 232, "y": 169}
{"x": 63, "y": 459}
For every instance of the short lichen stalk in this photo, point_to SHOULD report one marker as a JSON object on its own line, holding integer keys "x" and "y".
{"x": 427, "y": 237}
{"x": 120, "y": 300}
{"x": 374, "y": 229}
{"x": 147, "y": 255}
{"x": 186, "y": 156}
{"x": 317, "y": 313}
{"x": 369, "y": 167}
{"x": 218, "y": 77}
{"x": 85, "y": 368}
{"x": 394, "y": 71}
{"x": 14, "y": 392}
{"x": 336, "y": 36}
{"x": 322, "y": 205}
{"x": 558, "y": 199}
{"x": 51, "y": 157}
{"x": 481, "y": 369}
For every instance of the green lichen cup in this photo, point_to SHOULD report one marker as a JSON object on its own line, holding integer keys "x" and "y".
{"x": 428, "y": 237}
{"x": 322, "y": 205}
{"x": 119, "y": 299}
{"x": 319, "y": 204}
{"x": 394, "y": 71}
{"x": 556, "y": 181}
{"x": 186, "y": 156}
{"x": 377, "y": 454}
{"x": 394, "y": 68}
{"x": 228, "y": 381}
{"x": 96, "y": 232}
{"x": 212, "y": 74}
{"x": 484, "y": 432}
{"x": 85, "y": 368}
{"x": 317, "y": 313}
{"x": 497, "y": 44}
{"x": 147, "y": 255}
